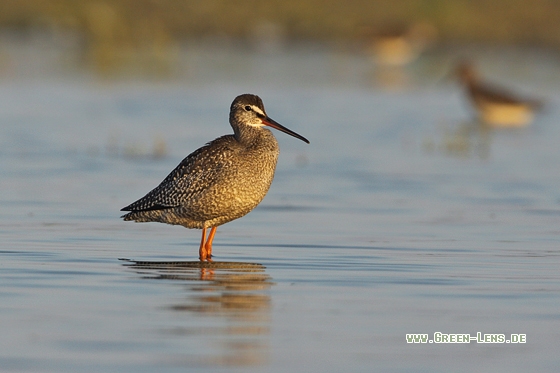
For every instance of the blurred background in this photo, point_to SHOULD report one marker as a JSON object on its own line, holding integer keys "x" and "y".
{"x": 147, "y": 36}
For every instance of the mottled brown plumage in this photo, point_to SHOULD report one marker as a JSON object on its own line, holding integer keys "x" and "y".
{"x": 220, "y": 182}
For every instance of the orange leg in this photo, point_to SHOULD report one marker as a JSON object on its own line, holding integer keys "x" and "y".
{"x": 205, "y": 250}
{"x": 208, "y": 244}
{"x": 202, "y": 249}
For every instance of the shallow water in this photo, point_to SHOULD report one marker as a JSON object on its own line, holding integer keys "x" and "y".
{"x": 402, "y": 216}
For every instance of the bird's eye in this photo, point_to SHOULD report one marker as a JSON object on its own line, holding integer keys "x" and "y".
{"x": 247, "y": 108}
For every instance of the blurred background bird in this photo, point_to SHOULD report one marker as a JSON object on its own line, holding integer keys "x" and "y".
{"x": 495, "y": 105}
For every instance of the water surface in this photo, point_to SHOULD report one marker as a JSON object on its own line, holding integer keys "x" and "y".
{"x": 401, "y": 216}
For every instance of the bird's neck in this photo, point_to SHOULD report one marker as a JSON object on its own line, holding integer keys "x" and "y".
{"x": 252, "y": 135}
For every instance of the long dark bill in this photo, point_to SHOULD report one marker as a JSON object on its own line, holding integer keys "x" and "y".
{"x": 271, "y": 123}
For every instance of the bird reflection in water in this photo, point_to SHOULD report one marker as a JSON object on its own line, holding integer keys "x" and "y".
{"x": 232, "y": 306}
{"x": 467, "y": 139}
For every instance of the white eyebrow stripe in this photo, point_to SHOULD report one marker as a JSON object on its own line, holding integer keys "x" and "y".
{"x": 257, "y": 110}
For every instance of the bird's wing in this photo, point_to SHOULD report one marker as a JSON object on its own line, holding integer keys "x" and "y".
{"x": 500, "y": 95}
{"x": 193, "y": 175}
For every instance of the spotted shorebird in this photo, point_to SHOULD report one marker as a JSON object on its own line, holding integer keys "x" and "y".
{"x": 222, "y": 181}
{"x": 399, "y": 46}
{"x": 495, "y": 105}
